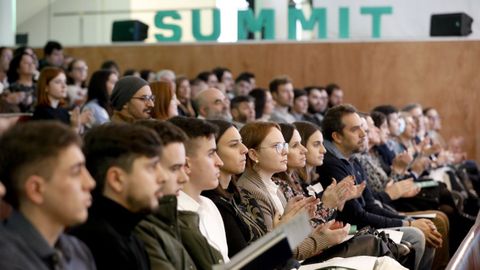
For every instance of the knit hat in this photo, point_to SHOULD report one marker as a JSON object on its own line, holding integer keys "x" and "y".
{"x": 124, "y": 90}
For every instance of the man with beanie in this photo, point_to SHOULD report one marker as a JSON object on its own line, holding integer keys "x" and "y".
{"x": 131, "y": 100}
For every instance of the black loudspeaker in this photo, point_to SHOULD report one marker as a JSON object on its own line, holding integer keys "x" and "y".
{"x": 452, "y": 24}
{"x": 21, "y": 39}
{"x": 131, "y": 30}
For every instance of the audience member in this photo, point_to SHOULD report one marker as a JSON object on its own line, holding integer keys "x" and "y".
{"x": 98, "y": 99}
{"x": 203, "y": 168}
{"x": 184, "y": 96}
{"x": 77, "y": 72}
{"x": 131, "y": 100}
{"x": 21, "y": 89}
{"x": 263, "y": 103}
{"x": 165, "y": 100}
{"x": 281, "y": 89}
{"x": 243, "y": 110}
{"x": 124, "y": 160}
{"x": 212, "y": 104}
{"x": 51, "y": 92}
{"x": 49, "y": 189}
{"x": 335, "y": 95}
{"x": 52, "y": 55}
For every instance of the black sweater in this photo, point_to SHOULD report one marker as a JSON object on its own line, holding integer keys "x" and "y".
{"x": 108, "y": 234}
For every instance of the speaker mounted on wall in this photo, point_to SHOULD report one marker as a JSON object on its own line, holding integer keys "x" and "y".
{"x": 129, "y": 30}
{"x": 451, "y": 24}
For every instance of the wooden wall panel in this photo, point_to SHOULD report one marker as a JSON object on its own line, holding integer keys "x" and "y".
{"x": 443, "y": 74}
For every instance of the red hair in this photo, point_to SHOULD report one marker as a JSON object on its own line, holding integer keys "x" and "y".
{"x": 47, "y": 74}
{"x": 163, "y": 93}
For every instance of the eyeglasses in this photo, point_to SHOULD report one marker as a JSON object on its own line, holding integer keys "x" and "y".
{"x": 146, "y": 98}
{"x": 279, "y": 147}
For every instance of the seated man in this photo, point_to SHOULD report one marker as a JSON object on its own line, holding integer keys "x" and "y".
{"x": 167, "y": 234}
{"x": 242, "y": 109}
{"x": 43, "y": 169}
{"x": 125, "y": 163}
{"x": 131, "y": 100}
{"x": 344, "y": 136}
{"x": 203, "y": 168}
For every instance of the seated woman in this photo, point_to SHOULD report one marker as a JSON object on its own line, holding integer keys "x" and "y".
{"x": 20, "y": 76}
{"x": 290, "y": 183}
{"x": 77, "y": 72}
{"x": 166, "y": 104}
{"x": 240, "y": 227}
{"x": 184, "y": 95}
{"x": 267, "y": 155}
{"x": 99, "y": 90}
{"x": 51, "y": 91}
{"x": 263, "y": 103}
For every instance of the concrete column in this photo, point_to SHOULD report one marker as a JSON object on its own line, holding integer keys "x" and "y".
{"x": 7, "y": 22}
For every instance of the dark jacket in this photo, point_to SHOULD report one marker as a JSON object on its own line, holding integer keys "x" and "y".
{"x": 237, "y": 232}
{"x": 362, "y": 211}
{"x": 23, "y": 247}
{"x": 49, "y": 113}
{"x": 161, "y": 236}
{"x": 108, "y": 233}
{"x": 195, "y": 243}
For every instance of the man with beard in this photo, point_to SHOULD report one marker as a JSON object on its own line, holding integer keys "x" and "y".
{"x": 345, "y": 135}
{"x": 124, "y": 160}
{"x": 212, "y": 104}
{"x": 282, "y": 92}
{"x": 131, "y": 100}
{"x": 317, "y": 103}
{"x": 48, "y": 186}
{"x": 243, "y": 110}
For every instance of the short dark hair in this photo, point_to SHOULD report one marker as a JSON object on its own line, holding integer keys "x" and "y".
{"x": 51, "y": 46}
{"x": 309, "y": 89}
{"x": 219, "y": 71}
{"x": 194, "y": 128}
{"x": 203, "y": 76}
{"x": 168, "y": 132}
{"x": 119, "y": 145}
{"x": 385, "y": 109}
{"x": 276, "y": 82}
{"x": 378, "y": 118}
{"x": 109, "y": 64}
{"x": 235, "y": 102}
{"x": 299, "y": 93}
{"x": 332, "y": 122}
{"x": 145, "y": 73}
{"x": 260, "y": 96}
{"x": 130, "y": 72}
{"x": 245, "y": 77}
{"x": 331, "y": 87}
{"x": 31, "y": 148}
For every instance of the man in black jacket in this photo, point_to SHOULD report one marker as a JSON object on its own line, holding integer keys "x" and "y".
{"x": 345, "y": 135}
{"x": 125, "y": 162}
{"x": 48, "y": 186}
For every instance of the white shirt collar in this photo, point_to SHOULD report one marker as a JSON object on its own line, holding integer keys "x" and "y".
{"x": 187, "y": 203}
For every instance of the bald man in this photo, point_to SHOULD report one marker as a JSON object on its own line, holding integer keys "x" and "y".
{"x": 212, "y": 104}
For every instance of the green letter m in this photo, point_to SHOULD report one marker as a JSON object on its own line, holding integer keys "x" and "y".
{"x": 248, "y": 23}
{"x": 318, "y": 14}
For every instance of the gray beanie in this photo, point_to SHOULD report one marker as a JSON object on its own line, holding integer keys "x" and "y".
{"x": 124, "y": 90}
